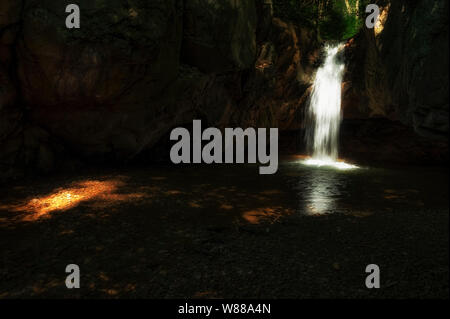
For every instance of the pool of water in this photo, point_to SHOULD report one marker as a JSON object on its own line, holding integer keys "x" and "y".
{"x": 155, "y": 226}
{"x": 224, "y": 193}
{"x": 365, "y": 190}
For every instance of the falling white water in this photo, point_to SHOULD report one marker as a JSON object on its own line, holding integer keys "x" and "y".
{"x": 324, "y": 112}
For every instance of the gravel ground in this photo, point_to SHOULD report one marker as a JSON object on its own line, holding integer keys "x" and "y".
{"x": 175, "y": 244}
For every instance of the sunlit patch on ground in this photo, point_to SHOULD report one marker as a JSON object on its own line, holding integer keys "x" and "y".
{"x": 266, "y": 214}
{"x": 173, "y": 192}
{"x": 360, "y": 213}
{"x": 63, "y": 199}
{"x": 195, "y": 204}
{"x": 403, "y": 196}
{"x": 141, "y": 236}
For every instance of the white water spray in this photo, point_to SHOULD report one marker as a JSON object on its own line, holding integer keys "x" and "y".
{"x": 324, "y": 111}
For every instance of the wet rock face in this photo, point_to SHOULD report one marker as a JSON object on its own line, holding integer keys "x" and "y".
{"x": 272, "y": 92}
{"x": 402, "y": 72}
{"x": 277, "y": 89}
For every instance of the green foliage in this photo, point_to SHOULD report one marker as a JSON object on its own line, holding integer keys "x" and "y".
{"x": 333, "y": 19}
{"x": 337, "y": 23}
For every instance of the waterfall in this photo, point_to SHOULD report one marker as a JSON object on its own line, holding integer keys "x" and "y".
{"x": 324, "y": 111}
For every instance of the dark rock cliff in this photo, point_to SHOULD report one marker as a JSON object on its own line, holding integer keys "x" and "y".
{"x": 400, "y": 69}
{"x": 134, "y": 70}
{"x": 396, "y": 86}
{"x": 116, "y": 87}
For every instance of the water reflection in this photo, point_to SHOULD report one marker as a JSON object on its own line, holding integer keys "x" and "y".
{"x": 362, "y": 192}
{"x": 322, "y": 189}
